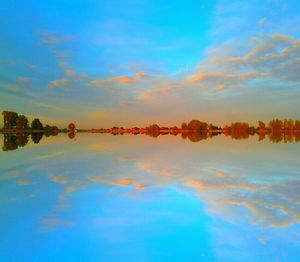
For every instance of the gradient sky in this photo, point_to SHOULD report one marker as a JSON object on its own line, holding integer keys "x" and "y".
{"x": 110, "y": 62}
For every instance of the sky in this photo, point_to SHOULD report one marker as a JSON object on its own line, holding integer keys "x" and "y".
{"x": 126, "y": 63}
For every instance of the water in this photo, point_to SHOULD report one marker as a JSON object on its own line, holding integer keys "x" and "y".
{"x": 137, "y": 198}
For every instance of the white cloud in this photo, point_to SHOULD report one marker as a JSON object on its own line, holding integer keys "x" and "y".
{"x": 52, "y": 38}
{"x": 71, "y": 73}
{"x": 23, "y": 80}
{"x": 59, "y": 83}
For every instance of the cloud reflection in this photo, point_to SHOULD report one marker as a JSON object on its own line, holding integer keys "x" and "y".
{"x": 270, "y": 200}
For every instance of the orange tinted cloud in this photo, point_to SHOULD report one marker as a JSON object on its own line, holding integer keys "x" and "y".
{"x": 124, "y": 182}
{"x": 198, "y": 184}
{"x": 121, "y": 79}
{"x": 129, "y": 182}
{"x": 151, "y": 93}
{"x": 202, "y": 76}
{"x": 124, "y": 79}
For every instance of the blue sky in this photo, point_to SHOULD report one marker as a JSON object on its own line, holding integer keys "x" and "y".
{"x": 106, "y": 63}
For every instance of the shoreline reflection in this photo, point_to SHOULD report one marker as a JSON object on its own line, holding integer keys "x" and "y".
{"x": 13, "y": 141}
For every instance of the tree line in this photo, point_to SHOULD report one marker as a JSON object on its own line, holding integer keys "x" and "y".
{"x": 286, "y": 130}
{"x": 13, "y": 120}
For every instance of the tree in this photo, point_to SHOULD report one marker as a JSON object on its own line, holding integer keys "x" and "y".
{"x": 261, "y": 126}
{"x": 22, "y": 122}
{"x": 72, "y": 127}
{"x": 288, "y": 124}
{"x": 9, "y": 119}
{"x": 36, "y": 124}
{"x": 297, "y": 125}
{"x": 153, "y": 130}
{"x": 275, "y": 125}
{"x": 239, "y": 130}
{"x": 213, "y": 127}
{"x": 197, "y": 125}
{"x": 184, "y": 126}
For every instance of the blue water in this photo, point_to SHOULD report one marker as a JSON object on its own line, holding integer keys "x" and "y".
{"x": 137, "y": 198}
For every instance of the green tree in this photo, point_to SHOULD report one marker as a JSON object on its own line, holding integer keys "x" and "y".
{"x": 22, "y": 122}
{"x": 9, "y": 119}
{"x": 36, "y": 124}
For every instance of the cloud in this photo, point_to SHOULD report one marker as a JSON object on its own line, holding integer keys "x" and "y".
{"x": 275, "y": 56}
{"x": 270, "y": 60}
{"x": 15, "y": 89}
{"x": 23, "y": 181}
{"x": 52, "y": 223}
{"x": 59, "y": 179}
{"x": 23, "y": 80}
{"x": 154, "y": 92}
{"x": 140, "y": 75}
{"x": 221, "y": 77}
{"x": 121, "y": 79}
{"x": 270, "y": 200}
{"x": 262, "y": 21}
{"x": 271, "y": 203}
{"x": 228, "y": 70}
{"x": 71, "y": 73}
{"x": 59, "y": 83}
{"x": 62, "y": 55}
{"x": 52, "y": 38}
{"x": 51, "y": 107}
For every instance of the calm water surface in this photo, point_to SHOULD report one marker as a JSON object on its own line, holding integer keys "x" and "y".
{"x": 137, "y": 198}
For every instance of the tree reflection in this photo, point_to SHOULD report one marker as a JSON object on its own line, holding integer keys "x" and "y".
{"x": 13, "y": 141}
{"x": 36, "y": 137}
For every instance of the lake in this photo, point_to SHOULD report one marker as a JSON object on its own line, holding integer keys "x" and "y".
{"x": 100, "y": 197}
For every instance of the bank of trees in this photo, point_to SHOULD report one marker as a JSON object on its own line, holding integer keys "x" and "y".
{"x": 284, "y": 125}
{"x": 13, "y": 120}
{"x": 238, "y": 130}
